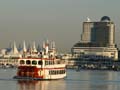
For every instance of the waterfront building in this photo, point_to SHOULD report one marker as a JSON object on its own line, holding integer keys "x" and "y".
{"x": 97, "y": 38}
{"x": 12, "y": 54}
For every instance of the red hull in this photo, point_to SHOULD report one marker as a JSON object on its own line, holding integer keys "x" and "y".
{"x": 28, "y": 71}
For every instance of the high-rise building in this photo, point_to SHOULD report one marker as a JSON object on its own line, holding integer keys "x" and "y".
{"x": 97, "y": 38}
{"x": 101, "y": 32}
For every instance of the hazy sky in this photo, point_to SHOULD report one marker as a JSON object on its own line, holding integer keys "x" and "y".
{"x": 58, "y": 20}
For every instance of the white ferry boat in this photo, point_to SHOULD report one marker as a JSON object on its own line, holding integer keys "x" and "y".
{"x": 45, "y": 67}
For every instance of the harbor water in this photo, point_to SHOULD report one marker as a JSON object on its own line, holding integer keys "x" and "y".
{"x": 81, "y": 80}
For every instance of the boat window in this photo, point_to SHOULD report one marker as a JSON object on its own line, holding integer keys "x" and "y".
{"x": 34, "y": 62}
{"x": 50, "y": 72}
{"x": 22, "y": 62}
{"x": 51, "y": 62}
{"x": 63, "y": 71}
{"x": 28, "y": 62}
{"x": 55, "y": 72}
{"x": 46, "y": 63}
{"x": 40, "y": 62}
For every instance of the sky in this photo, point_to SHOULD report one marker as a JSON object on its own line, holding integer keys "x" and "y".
{"x": 56, "y": 20}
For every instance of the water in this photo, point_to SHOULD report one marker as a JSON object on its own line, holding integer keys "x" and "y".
{"x": 83, "y": 80}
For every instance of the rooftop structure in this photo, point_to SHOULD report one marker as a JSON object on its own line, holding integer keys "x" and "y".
{"x": 29, "y": 51}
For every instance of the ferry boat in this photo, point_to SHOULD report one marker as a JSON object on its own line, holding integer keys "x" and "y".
{"x": 44, "y": 67}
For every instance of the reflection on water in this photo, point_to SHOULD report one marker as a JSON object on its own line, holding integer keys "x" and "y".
{"x": 93, "y": 80}
{"x": 32, "y": 85}
{"x": 41, "y": 85}
{"x": 82, "y": 80}
{"x": 104, "y": 80}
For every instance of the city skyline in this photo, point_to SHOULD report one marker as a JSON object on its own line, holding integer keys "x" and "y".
{"x": 57, "y": 20}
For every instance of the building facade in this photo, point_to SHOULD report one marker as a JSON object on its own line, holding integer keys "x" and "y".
{"x": 97, "y": 38}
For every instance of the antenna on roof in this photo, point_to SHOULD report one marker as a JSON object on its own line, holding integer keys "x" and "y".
{"x": 88, "y": 19}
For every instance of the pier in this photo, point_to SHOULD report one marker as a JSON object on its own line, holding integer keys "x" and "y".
{"x": 92, "y": 64}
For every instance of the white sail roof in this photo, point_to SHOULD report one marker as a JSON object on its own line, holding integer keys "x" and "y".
{"x": 34, "y": 47}
{"x": 24, "y": 47}
{"x": 14, "y": 49}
